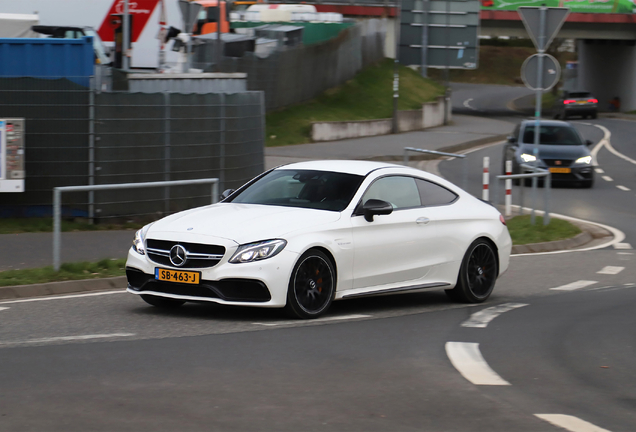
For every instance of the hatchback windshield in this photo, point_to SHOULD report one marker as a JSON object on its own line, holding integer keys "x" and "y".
{"x": 322, "y": 190}
{"x": 555, "y": 135}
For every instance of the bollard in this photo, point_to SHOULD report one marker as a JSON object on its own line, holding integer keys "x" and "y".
{"x": 508, "y": 182}
{"x": 486, "y": 179}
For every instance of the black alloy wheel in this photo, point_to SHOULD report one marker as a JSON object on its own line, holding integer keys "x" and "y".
{"x": 477, "y": 274}
{"x": 312, "y": 286}
{"x": 162, "y": 302}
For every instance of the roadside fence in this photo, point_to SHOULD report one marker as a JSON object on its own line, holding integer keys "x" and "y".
{"x": 57, "y": 202}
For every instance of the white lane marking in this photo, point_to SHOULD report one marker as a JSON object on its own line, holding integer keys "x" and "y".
{"x": 570, "y": 423}
{"x": 599, "y": 170}
{"x": 611, "y": 270}
{"x": 606, "y": 143}
{"x": 607, "y": 178}
{"x": 630, "y": 284}
{"x": 68, "y": 338}
{"x": 574, "y": 285}
{"x": 467, "y": 104}
{"x": 623, "y": 188}
{"x": 618, "y": 235}
{"x": 622, "y": 246}
{"x": 3, "y": 308}
{"x": 468, "y": 360}
{"x": 482, "y": 318}
{"x": 335, "y": 318}
{"x": 624, "y": 253}
{"x": 63, "y": 297}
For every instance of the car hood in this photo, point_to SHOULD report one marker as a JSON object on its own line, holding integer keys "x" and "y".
{"x": 240, "y": 223}
{"x": 557, "y": 151}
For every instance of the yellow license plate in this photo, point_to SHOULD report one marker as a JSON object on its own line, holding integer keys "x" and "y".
{"x": 560, "y": 170}
{"x": 177, "y": 276}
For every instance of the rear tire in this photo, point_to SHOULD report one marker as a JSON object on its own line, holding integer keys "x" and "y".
{"x": 477, "y": 274}
{"x": 162, "y": 302}
{"x": 594, "y": 115}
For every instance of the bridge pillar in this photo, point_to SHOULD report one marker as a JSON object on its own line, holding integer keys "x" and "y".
{"x": 607, "y": 68}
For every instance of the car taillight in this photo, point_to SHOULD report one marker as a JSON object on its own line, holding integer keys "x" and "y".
{"x": 501, "y": 218}
{"x": 593, "y": 100}
{"x": 568, "y": 101}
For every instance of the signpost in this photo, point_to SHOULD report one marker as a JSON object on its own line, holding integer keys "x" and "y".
{"x": 189, "y": 12}
{"x": 542, "y": 24}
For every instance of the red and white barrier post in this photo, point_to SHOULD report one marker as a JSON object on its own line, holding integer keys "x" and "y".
{"x": 508, "y": 182}
{"x": 486, "y": 179}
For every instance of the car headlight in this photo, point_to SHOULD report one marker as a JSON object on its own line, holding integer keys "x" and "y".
{"x": 584, "y": 160}
{"x": 138, "y": 241}
{"x": 257, "y": 251}
{"x": 528, "y": 157}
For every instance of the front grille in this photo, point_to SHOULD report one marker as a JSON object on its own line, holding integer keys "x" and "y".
{"x": 197, "y": 255}
{"x": 553, "y": 162}
{"x": 247, "y": 290}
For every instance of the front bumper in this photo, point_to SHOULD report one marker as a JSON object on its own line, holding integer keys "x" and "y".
{"x": 576, "y": 174}
{"x": 261, "y": 283}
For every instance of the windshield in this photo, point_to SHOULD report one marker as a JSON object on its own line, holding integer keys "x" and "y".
{"x": 553, "y": 135}
{"x": 321, "y": 190}
{"x": 579, "y": 95}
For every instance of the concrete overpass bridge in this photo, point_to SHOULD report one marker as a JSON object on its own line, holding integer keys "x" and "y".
{"x": 606, "y": 42}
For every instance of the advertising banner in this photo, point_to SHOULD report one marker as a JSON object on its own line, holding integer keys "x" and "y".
{"x": 576, "y": 6}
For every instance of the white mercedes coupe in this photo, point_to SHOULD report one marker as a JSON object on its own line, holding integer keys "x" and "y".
{"x": 303, "y": 235}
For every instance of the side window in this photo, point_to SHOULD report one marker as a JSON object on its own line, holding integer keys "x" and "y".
{"x": 434, "y": 195}
{"x": 401, "y": 192}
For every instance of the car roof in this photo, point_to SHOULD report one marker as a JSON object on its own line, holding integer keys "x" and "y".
{"x": 547, "y": 123}
{"x": 357, "y": 167}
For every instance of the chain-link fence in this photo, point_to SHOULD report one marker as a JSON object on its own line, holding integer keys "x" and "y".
{"x": 79, "y": 136}
{"x": 292, "y": 75}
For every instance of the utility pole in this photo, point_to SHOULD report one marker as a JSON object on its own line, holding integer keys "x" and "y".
{"x": 396, "y": 75}
{"x": 126, "y": 35}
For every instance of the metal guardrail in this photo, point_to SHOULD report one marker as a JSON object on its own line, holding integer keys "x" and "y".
{"x": 57, "y": 202}
{"x": 438, "y": 153}
{"x": 539, "y": 172}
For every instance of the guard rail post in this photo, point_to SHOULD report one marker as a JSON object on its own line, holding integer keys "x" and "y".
{"x": 57, "y": 202}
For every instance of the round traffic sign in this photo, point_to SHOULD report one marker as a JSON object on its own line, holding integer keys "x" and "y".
{"x": 540, "y": 72}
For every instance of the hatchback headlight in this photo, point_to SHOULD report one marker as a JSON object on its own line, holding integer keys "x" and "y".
{"x": 584, "y": 160}
{"x": 257, "y": 251}
{"x": 528, "y": 157}
{"x": 138, "y": 241}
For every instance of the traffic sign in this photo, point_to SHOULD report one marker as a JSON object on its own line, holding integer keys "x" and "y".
{"x": 189, "y": 12}
{"x": 554, "y": 19}
{"x": 551, "y": 72}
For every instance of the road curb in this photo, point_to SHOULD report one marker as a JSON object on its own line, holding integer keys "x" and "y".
{"x": 64, "y": 287}
{"x": 590, "y": 233}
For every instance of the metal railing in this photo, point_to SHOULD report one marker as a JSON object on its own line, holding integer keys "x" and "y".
{"x": 57, "y": 202}
{"x": 438, "y": 153}
{"x": 538, "y": 172}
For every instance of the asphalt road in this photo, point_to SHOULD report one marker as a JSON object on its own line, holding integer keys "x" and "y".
{"x": 551, "y": 350}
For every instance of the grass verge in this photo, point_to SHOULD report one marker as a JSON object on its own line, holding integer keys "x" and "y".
{"x": 522, "y": 232}
{"x": 68, "y": 272}
{"x": 31, "y": 225}
{"x": 368, "y": 96}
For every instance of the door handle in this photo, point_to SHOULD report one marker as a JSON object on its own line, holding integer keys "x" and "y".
{"x": 422, "y": 221}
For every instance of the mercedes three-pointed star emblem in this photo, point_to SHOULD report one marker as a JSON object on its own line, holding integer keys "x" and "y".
{"x": 178, "y": 255}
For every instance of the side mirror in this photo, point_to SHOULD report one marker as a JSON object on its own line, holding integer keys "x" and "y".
{"x": 588, "y": 143}
{"x": 226, "y": 193}
{"x": 376, "y": 207}
{"x": 511, "y": 139}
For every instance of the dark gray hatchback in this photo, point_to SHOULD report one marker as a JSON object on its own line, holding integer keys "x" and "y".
{"x": 561, "y": 150}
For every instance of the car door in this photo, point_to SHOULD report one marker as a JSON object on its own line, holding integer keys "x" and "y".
{"x": 397, "y": 248}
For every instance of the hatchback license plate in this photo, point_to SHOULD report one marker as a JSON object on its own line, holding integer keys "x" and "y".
{"x": 560, "y": 170}
{"x": 177, "y": 276}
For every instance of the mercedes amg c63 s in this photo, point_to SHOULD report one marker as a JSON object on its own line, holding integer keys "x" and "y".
{"x": 303, "y": 235}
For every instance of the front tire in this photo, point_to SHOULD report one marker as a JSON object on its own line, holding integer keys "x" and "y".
{"x": 477, "y": 274}
{"x": 162, "y": 302}
{"x": 312, "y": 286}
